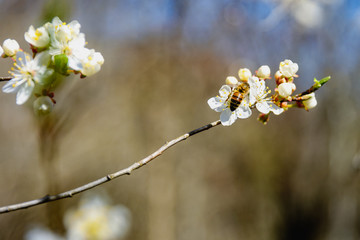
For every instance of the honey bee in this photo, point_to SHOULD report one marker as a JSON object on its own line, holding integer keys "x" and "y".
{"x": 239, "y": 93}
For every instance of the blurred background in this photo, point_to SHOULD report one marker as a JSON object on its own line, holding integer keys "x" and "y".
{"x": 295, "y": 178}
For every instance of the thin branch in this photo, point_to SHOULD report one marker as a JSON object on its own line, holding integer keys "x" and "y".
{"x": 4, "y": 79}
{"x": 125, "y": 171}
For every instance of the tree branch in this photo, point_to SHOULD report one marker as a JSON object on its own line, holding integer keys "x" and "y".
{"x": 4, "y": 79}
{"x": 125, "y": 171}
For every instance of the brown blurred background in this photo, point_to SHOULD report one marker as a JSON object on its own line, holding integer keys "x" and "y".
{"x": 295, "y": 178}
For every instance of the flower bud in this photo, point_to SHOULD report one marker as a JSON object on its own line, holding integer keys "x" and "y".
{"x": 231, "y": 80}
{"x": 264, "y": 118}
{"x": 288, "y": 68}
{"x": 10, "y": 47}
{"x": 310, "y": 102}
{"x": 278, "y": 75}
{"x": 286, "y": 89}
{"x": 263, "y": 71}
{"x": 43, "y": 105}
{"x": 244, "y": 74}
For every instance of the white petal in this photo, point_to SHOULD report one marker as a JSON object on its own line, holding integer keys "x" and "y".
{"x": 42, "y": 58}
{"x": 243, "y": 112}
{"x": 24, "y": 92}
{"x": 275, "y": 109}
{"x": 217, "y": 104}
{"x": 9, "y": 86}
{"x": 74, "y": 63}
{"x": 227, "y": 117}
{"x": 253, "y": 82}
{"x": 252, "y": 96}
{"x": 56, "y": 21}
{"x": 224, "y": 91}
{"x": 263, "y": 107}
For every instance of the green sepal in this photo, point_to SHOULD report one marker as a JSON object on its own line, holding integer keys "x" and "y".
{"x": 61, "y": 64}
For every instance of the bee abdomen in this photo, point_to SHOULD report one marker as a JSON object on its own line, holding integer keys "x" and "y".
{"x": 235, "y": 100}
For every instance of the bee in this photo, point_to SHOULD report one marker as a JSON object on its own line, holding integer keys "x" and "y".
{"x": 239, "y": 93}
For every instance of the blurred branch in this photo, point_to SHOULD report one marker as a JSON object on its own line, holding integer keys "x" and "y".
{"x": 125, "y": 171}
{"x": 4, "y": 79}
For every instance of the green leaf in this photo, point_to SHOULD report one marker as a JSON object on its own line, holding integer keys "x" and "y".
{"x": 61, "y": 64}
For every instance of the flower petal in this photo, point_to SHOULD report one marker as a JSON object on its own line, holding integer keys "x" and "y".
{"x": 227, "y": 117}
{"x": 24, "y": 92}
{"x": 224, "y": 91}
{"x": 10, "y": 86}
{"x": 217, "y": 104}
{"x": 263, "y": 107}
{"x": 42, "y": 58}
{"x": 243, "y": 112}
{"x": 275, "y": 109}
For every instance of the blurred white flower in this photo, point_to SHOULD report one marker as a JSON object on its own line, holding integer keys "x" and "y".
{"x": 311, "y": 101}
{"x": 38, "y": 38}
{"x": 39, "y": 233}
{"x": 1, "y": 51}
{"x": 308, "y": 13}
{"x": 258, "y": 94}
{"x": 74, "y": 50}
{"x": 263, "y": 71}
{"x": 64, "y": 32}
{"x": 222, "y": 104}
{"x": 67, "y": 39}
{"x": 244, "y": 74}
{"x": 91, "y": 63}
{"x": 29, "y": 71}
{"x": 95, "y": 219}
{"x": 288, "y": 68}
{"x": 286, "y": 89}
{"x": 10, "y": 47}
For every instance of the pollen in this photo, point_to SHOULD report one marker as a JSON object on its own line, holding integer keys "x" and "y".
{"x": 38, "y": 33}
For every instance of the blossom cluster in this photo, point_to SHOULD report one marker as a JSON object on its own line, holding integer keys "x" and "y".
{"x": 238, "y": 97}
{"x": 94, "y": 219}
{"x": 57, "y": 48}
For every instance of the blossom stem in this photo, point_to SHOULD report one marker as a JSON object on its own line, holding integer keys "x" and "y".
{"x": 109, "y": 177}
{"x": 5, "y": 79}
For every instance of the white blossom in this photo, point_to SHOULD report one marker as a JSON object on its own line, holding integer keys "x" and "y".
{"x": 222, "y": 104}
{"x": 263, "y": 71}
{"x": 39, "y": 38}
{"x": 231, "y": 81}
{"x": 258, "y": 96}
{"x": 311, "y": 102}
{"x": 28, "y": 72}
{"x": 91, "y": 63}
{"x": 244, "y": 74}
{"x": 286, "y": 89}
{"x": 288, "y": 68}
{"x": 10, "y": 47}
{"x": 64, "y": 32}
{"x": 1, "y": 51}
